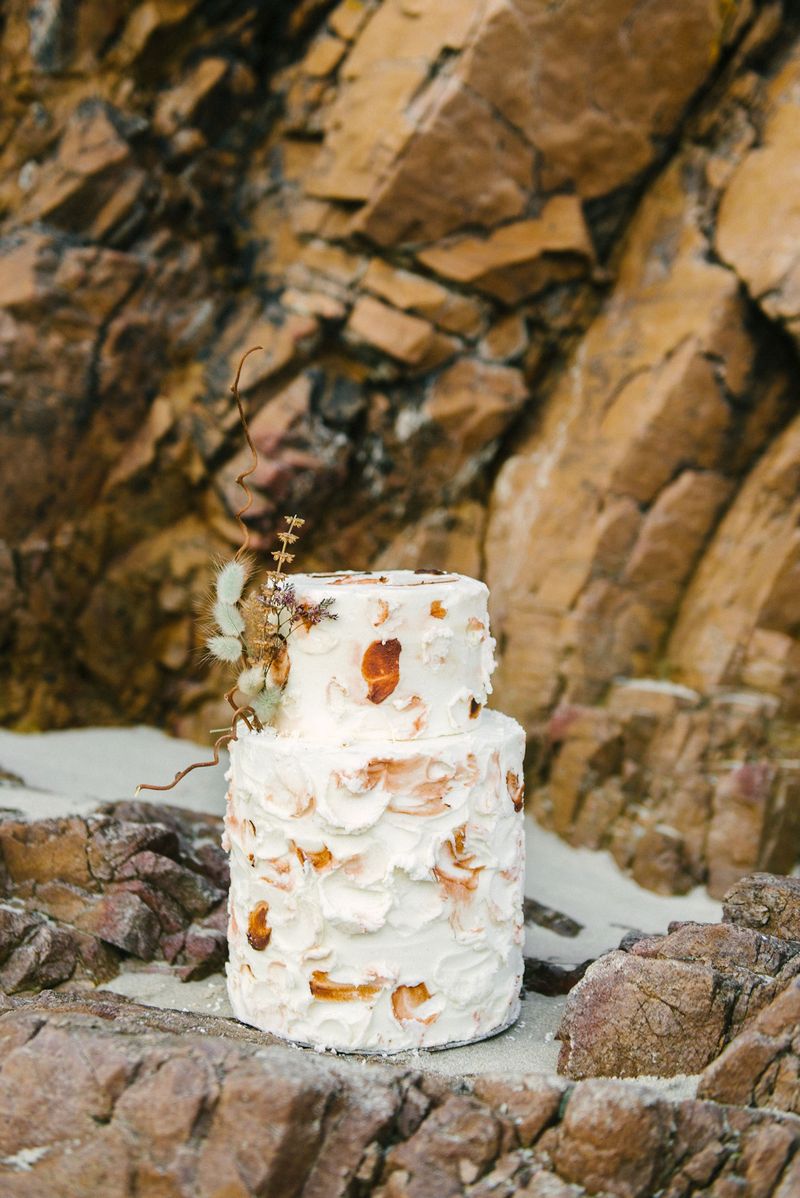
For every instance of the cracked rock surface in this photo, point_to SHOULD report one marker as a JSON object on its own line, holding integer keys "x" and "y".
{"x": 717, "y": 999}
{"x": 546, "y": 334}
{"x": 80, "y": 894}
{"x": 140, "y": 1102}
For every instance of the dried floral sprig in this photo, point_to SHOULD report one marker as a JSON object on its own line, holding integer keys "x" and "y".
{"x": 252, "y": 629}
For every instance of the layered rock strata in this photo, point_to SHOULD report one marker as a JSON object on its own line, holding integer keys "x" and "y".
{"x": 522, "y": 312}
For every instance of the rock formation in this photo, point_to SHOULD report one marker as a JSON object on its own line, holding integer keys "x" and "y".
{"x": 131, "y": 1100}
{"x": 77, "y": 895}
{"x": 525, "y": 281}
{"x": 717, "y": 999}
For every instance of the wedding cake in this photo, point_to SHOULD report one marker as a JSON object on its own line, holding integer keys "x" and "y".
{"x": 375, "y": 828}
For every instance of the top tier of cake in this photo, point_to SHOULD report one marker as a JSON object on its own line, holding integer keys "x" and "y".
{"x": 409, "y": 654}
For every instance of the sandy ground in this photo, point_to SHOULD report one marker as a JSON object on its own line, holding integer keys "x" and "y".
{"x": 69, "y": 772}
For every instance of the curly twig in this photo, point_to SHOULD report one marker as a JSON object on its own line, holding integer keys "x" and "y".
{"x": 225, "y": 739}
{"x": 229, "y": 699}
{"x": 241, "y": 713}
{"x": 254, "y": 462}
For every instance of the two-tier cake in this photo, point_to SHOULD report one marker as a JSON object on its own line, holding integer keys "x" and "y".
{"x": 375, "y": 830}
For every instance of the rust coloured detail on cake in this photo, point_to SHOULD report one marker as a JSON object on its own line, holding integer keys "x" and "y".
{"x": 353, "y": 580}
{"x": 383, "y": 613}
{"x": 319, "y": 860}
{"x": 406, "y": 999}
{"x": 516, "y": 790}
{"x": 454, "y": 869}
{"x": 322, "y": 986}
{"x": 438, "y": 610}
{"x": 279, "y": 873}
{"x": 420, "y": 721}
{"x": 278, "y": 672}
{"x": 474, "y": 708}
{"x": 380, "y": 668}
{"x": 258, "y": 929}
{"x": 475, "y": 625}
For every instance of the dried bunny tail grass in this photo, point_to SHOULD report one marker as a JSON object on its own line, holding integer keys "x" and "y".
{"x": 253, "y": 456}
{"x": 230, "y": 580}
{"x": 265, "y": 704}
{"x": 228, "y": 618}
{"x": 225, "y": 648}
{"x": 251, "y": 681}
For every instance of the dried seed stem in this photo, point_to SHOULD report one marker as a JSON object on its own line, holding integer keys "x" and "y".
{"x": 254, "y": 458}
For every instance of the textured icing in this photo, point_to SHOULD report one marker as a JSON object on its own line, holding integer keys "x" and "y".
{"x": 409, "y": 655}
{"x": 376, "y": 886}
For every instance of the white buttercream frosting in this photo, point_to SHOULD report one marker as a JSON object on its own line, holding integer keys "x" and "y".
{"x": 408, "y": 655}
{"x": 376, "y": 885}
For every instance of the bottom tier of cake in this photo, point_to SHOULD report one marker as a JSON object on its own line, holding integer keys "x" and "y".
{"x": 376, "y": 888}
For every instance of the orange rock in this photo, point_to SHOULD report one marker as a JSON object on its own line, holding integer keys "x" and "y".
{"x": 594, "y": 92}
{"x": 91, "y": 183}
{"x": 177, "y": 105}
{"x": 404, "y": 337}
{"x": 483, "y": 172}
{"x": 452, "y": 537}
{"x": 506, "y": 339}
{"x": 519, "y": 259}
{"x": 408, "y": 291}
{"x": 369, "y": 112}
{"x": 348, "y": 17}
{"x": 324, "y": 56}
{"x": 748, "y": 577}
{"x": 764, "y": 253}
{"x": 474, "y": 402}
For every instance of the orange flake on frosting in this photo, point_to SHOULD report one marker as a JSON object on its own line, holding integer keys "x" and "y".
{"x": 380, "y": 668}
{"x": 322, "y": 986}
{"x": 474, "y": 708}
{"x": 383, "y": 613}
{"x": 319, "y": 860}
{"x": 406, "y": 1000}
{"x": 258, "y": 929}
{"x": 353, "y": 580}
{"x": 420, "y": 721}
{"x": 475, "y": 625}
{"x": 438, "y": 610}
{"x": 454, "y": 868}
{"x": 279, "y": 666}
{"x": 279, "y": 873}
{"x": 426, "y": 799}
{"x": 516, "y": 790}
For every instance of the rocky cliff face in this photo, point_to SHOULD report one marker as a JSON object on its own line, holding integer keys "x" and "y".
{"x": 526, "y": 281}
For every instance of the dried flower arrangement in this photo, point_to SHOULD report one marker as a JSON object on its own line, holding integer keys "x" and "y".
{"x": 252, "y": 627}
